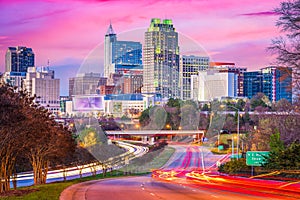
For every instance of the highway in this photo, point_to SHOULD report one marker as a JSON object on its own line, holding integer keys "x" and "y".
{"x": 132, "y": 151}
{"x": 189, "y": 174}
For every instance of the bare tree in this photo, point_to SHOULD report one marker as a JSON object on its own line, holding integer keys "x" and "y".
{"x": 287, "y": 47}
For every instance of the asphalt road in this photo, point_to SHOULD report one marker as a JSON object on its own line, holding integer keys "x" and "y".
{"x": 144, "y": 188}
{"x": 170, "y": 184}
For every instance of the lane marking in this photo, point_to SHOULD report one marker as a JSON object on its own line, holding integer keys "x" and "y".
{"x": 152, "y": 194}
{"x": 214, "y": 196}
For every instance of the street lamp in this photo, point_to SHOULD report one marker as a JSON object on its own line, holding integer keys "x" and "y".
{"x": 168, "y": 126}
{"x": 238, "y": 130}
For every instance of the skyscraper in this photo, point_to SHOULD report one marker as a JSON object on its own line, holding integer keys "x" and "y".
{"x": 161, "y": 59}
{"x": 110, "y": 37}
{"x": 190, "y": 65}
{"x": 120, "y": 55}
{"x": 18, "y": 59}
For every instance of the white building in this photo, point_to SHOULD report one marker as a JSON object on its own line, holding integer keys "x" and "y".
{"x": 211, "y": 84}
{"x": 45, "y": 87}
{"x": 190, "y": 65}
{"x": 14, "y": 79}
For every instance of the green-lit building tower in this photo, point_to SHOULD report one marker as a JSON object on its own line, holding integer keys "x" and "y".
{"x": 161, "y": 59}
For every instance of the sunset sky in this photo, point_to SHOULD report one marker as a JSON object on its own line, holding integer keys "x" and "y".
{"x": 65, "y": 32}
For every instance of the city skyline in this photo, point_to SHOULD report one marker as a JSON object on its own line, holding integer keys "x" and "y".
{"x": 232, "y": 32}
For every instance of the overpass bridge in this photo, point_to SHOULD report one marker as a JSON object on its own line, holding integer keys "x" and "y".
{"x": 150, "y": 136}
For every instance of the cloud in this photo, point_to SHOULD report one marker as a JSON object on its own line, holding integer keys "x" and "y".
{"x": 260, "y": 14}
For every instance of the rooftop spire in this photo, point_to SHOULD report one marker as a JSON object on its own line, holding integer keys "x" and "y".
{"x": 110, "y": 30}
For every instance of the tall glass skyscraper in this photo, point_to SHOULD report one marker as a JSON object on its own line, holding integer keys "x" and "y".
{"x": 18, "y": 59}
{"x": 161, "y": 59}
{"x": 120, "y": 55}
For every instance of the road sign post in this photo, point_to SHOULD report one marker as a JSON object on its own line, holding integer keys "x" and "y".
{"x": 256, "y": 158}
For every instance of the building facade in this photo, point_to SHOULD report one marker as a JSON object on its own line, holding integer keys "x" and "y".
{"x": 132, "y": 83}
{"x": 277, "y": 83}
{"x": 45, "y": 87}
{"x": 120, "y": 54}
{"x": 190, "y": 65}
{"x": 161, "y": 59}
{"x": 18, "y": 59}
{"x": 84, "y": 84}
{"x": 232, "y": 68}
{"x": 274, "y": 82}
{"x": 14, "y": 78}
{"x": 253, "y": 83}
{"x": 213, "y": 84}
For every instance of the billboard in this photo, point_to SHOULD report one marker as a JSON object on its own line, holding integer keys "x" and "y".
{"x": 88, "y": 103}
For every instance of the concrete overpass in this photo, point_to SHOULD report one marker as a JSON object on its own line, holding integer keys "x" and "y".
{"x": 150, "y": 136}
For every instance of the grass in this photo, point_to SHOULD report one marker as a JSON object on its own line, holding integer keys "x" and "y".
{"x": 153, "y": 160}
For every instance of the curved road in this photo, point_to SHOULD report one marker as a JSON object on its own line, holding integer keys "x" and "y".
{"x": 169, "y": 182}
{"x": 144, "y": 188}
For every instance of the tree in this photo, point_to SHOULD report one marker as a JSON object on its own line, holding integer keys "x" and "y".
{"x": 259, "y": 101}
{"x": 27, "y": 131}
{"x": 276, "y": 144}
{"x": 287, "y": 158}
{"x": 11, "y": 119}
{"x": 46, "y": 141}
{"x": 282, "y": 105}
{"x": 287, "y": 47}
{"x": 190, "y": 115}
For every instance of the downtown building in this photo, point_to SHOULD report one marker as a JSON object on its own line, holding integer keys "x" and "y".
{"x": 213, "y": 84}
{"x": 85, "y": 84}
{"x": 190, "y": 65}
{"x": 120, "y": 56}
{"x": 274, "y": 82}
{"x": 253, "y": 83}
{"x": 232, "y": 68}
{"x": 17, "y": 61}
{"x": 45, "y": 87}
{"x": 161, "y": 59}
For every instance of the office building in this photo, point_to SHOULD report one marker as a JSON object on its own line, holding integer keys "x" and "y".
{"x": 84, "y": 84}
{"x": 277, "y": 83}
{"x": 119, "y": 55}
{"x": 18, "y": 59}
{"x": 213, "y": 84}
{"x": 14, "y": 79}
{"x": 190, "y": 65}
{"x": 274, "y": 82}
{"x": 253, "y": 83}
{"x": 132, "y": 83}
{"x": 45, "y": 87}
{"x": 161, "y": 59}
{"x": 232, "y": 68}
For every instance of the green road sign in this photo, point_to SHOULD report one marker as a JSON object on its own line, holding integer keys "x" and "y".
{"x": 256, "y": 158}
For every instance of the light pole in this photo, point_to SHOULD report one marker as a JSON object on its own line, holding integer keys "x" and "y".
{"x": 238, "y": 130}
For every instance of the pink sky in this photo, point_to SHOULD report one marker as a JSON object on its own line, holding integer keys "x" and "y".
{"x": 67, "y": 31}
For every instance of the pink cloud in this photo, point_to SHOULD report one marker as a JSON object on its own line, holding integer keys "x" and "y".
{"x": 60, "y": 30}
